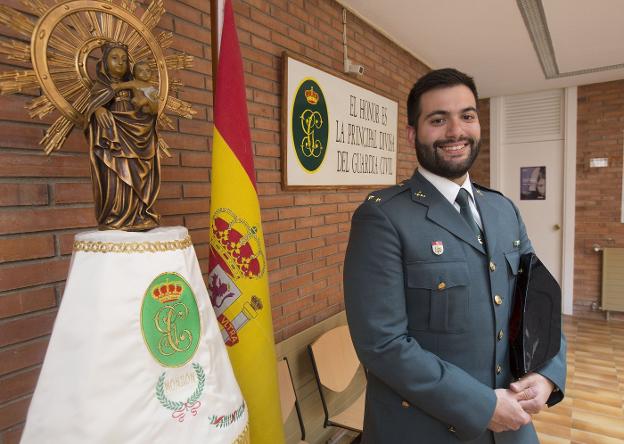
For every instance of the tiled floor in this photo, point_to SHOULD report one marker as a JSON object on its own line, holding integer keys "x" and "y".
{"x": 593, "y": 409}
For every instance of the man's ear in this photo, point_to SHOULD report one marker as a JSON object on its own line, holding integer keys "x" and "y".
{"x": 411, "y": 134}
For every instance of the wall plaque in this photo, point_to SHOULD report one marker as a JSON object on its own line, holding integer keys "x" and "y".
{"x": 335, "y": 133}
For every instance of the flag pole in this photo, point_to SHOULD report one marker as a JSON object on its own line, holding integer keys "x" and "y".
{"x": 216, "y": 26}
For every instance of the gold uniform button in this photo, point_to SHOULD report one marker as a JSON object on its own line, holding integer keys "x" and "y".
{"x": 492, "y": 266}
{"x": 405, "y": 404}
{"x": 500, "y": 335}
{"x": 498, "y": 300}
{"x": 441, "y": 285}
{"x": 499, "y": 369}
{"x": 451, "y": 429}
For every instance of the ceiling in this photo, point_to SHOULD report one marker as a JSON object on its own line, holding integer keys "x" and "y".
{"x": 508, "y": 46}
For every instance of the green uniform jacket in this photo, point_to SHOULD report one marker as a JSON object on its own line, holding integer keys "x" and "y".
{"x": 430, "y": 326}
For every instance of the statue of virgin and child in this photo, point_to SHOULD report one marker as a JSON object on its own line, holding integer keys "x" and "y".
{"x": 121, "y": 128}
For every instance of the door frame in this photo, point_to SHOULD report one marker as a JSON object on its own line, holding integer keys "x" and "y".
{"x": 569, "y": 183}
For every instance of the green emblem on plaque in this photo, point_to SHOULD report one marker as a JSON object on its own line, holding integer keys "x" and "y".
{"x": 310, "y": 125}
{"x": 170, "y": 320}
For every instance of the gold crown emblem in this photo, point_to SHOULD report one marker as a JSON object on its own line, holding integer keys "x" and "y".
{"x": 237, "y": 244}
{"x": 167, "y": 292}
{"x": 311, "y": 96}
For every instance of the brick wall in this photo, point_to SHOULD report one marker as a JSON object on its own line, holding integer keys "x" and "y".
{"x": 480, "y": 171}
{"x": 598, "y": 190}
{"x": 45, "y": 201}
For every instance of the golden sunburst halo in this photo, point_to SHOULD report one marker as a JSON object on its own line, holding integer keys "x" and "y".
{"x": 62, "y": 41}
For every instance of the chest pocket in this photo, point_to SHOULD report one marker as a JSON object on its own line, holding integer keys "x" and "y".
{"x": 438, "y": 298}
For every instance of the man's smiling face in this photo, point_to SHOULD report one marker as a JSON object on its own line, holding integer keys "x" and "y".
{"x": 448, "y": 134}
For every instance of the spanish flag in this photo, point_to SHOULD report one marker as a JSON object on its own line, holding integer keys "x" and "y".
{"x": 238, "y": 283}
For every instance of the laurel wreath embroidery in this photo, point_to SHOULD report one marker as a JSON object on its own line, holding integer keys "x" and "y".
{"x": 177, "y": 405}
{"x": 226, "y": 420}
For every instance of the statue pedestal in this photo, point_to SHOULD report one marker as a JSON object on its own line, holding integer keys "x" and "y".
{"x": 136, "y": 355}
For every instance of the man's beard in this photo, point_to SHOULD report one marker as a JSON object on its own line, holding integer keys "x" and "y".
{"x": 428, "y": 156}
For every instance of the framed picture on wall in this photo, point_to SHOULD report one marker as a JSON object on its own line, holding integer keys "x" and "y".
{"x": 533, "y": 183}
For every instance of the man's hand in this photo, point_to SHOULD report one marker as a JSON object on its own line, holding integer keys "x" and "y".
{"x": 508, "y": 414}
{"x": 533, "y": 390}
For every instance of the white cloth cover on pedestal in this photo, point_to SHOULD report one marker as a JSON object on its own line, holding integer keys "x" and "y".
{"x": 136, "y": 355}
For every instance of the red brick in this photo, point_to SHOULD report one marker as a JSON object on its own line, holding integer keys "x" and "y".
{"x": 323, "y": 209}
{"x": 296, "y": 282}
{"x": 197, "y": 221}
{"x": 337, "y": 218}
{"x": 22, "y": 355}
{"x": 28, "y": 165}
{"x": 308, "y": 244}
{"x": 183, "y": 206}
{"x": 290, "y": 212}
{"x": 281, "y": 250}
{"x": 184, "y": 174}
{"x": 294, "y": 235}
{"x": 167, "y": 161}
{"x": 198, "y": 127}
{"x": 310, "y": 221}
{"x": 31, "y": 220}
{"x": 12, "y": 435}
{"x": 295, "y": 259}
{"x": 70, "y": 193}
{"x": 170, "y": 190}
{"x": 26, "y": 247}
{"x": 13, "y": 413}
{"x": 298, "y": 327}
{"x": 25, "y": 328}
{"x": 29, "y": 274}
{"x": 279, "y": 200}
{"x": 22, "y": 136}
{"x": 26, "y": 301}
{"x": 278, "y": 226}
{"x": 196, "y": 190}
{"x": 181, "y": 10}
{"x": 325, "y": 251}
{"x": 199, "y": 33}
{"x": 327, "y": 272}
{"x": 23, "y": 194}
{"x": 297, "y": 305}
{"x": 187, "y": 141}
{"x": 18, "y": 384}
{"x": 66, "y": 242}
{"x": 196, "y": 160}
{"x": 324, "y": 230}
{"x": 282, "y": 273}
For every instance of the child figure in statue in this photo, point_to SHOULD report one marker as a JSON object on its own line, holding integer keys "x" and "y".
{"x": 123, "y": 142}
{"x": 144, "y": 95}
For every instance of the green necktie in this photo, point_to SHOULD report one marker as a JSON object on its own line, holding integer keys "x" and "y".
{"x": 464, "y": 210}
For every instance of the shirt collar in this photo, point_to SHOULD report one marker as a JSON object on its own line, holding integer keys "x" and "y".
{"x": 447, "y": 187}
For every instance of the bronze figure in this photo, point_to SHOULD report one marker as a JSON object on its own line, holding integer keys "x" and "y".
{"x": 119, "y": 106}
{"x": 121, "y": 129}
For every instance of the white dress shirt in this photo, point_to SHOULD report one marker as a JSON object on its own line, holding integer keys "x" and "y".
{"x": 450, "y": 189}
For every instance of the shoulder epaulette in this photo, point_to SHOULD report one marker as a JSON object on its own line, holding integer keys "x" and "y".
{"x": 484, "y": 188}
{"x": 385, "y": 194}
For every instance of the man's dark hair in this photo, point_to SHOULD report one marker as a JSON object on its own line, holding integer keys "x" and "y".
{"x": 439, "y": 78}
